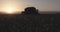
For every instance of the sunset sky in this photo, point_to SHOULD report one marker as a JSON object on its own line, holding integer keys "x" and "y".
{"x": 42, "y": 5}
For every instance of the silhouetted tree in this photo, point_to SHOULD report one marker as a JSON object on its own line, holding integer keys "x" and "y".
{"x": 30, "y": 10}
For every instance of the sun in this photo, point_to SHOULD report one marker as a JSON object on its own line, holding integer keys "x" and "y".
{"x": 9, "y": 10}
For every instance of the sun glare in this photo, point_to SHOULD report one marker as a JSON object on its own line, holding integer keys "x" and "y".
{"x": 9, "y": 10}
{"x": 11, "y": 7}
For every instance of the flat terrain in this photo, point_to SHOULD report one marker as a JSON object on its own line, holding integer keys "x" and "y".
{"x": 30, "y": 23}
